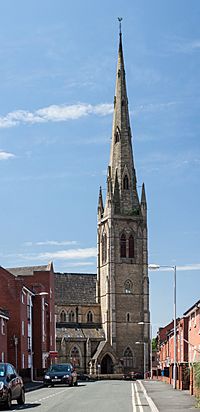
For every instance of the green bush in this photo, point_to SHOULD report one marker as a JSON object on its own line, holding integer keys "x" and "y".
{"x": 197, "y": 374}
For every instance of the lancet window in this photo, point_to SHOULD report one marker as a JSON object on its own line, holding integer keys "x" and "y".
{"x": 128, "y": 286}
{"x": 131, "y": 246}
{"x": 123, "y": 245}
{"x": 63, "y": 316}
{"x": 128, "y": 358}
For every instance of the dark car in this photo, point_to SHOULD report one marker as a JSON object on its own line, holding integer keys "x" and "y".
{"x": 130, "y": 376}
{"x": 59, "y": 374}
{"x": 11, "y": 386}
{"x": 85, "y": 377}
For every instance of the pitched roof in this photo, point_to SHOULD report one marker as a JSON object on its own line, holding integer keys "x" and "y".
{"x": 29, "y": 270}
{"x": 75, "y": 288}
{"x": 193, "y": 307}
{"x": 78, "y": 333}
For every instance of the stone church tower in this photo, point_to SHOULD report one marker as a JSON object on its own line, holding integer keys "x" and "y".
{"x": 122, "y": 273}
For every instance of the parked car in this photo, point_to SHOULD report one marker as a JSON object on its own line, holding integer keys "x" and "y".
{"x": 63, "y": 373}
{"x": 11, "y": 386}
{"x": 132, "y": 376}
{"x": 85, "y": 377}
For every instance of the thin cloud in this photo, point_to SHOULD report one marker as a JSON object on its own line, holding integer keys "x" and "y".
{"x": 188, "y": 267}
{"x": 69, "y": 254}
{"x": 52, "y": 243}
{"x": 153, "y": 107}
{"x": 79, "y": 264}
{"x": 55, "y": 113}
{"x": 6, "y": 155}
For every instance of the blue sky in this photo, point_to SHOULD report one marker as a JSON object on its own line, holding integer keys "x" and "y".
{"x": 57, "y": 79}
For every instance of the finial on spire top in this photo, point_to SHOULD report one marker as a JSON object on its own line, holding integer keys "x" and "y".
{"x": 120, "y": 25}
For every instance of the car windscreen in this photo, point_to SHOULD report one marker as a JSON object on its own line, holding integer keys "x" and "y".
{"x": 60, "y": 368}
{"x": 2, "y": 371}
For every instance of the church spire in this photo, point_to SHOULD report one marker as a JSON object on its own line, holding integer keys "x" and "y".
{"x": 121, "y": 156}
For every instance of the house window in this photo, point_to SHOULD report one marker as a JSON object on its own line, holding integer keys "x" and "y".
{"x": 23, "y": 361}
{"x": 23, "y": 329}
{"x": 128, "y": 287}
{"x": 128, "y": 358}
{"x": 128, "y": 317}
{"x": 71, "y": 316}
{"x": 131, "y": 246}
{"x": 125, "y": 183}
{"x": 123, "y": 245}
{"x": 89, "y": 317}
{"x": 2, "y": 326}
{"x": 63, "y": 316}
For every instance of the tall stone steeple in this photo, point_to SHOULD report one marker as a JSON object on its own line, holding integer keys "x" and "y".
{"x": 122, "y": 275}
{"x": 122, "y": 171}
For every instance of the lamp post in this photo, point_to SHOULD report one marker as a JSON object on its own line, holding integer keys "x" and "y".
{"x": 149, "y": 323}
{"x": 144, "y": 344}
{"x": 155, "y": 267}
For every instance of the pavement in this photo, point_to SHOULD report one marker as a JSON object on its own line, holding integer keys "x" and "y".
{"x": 168, "y": 399}
{"x": 33, "y": 385}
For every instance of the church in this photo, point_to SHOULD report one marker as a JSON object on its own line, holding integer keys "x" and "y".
{"x": 103, "y": 319}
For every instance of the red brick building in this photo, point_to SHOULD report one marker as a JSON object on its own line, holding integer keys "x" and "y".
{"x": 193, "y": 315}
{"x": 3, "y": 335}
{"x": 28, "y": 296}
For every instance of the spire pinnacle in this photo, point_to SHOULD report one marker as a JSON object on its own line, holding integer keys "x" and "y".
{"x": 120, "y": 25}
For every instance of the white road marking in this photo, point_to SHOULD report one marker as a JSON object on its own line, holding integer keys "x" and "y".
{"x": 133, "y": 398}
{"x": 138, "y": 398}
{"x": 152, "y": 405}
{"x": 40, "y": 400}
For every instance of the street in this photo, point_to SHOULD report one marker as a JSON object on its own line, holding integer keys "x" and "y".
{"x": 112, "y": 396}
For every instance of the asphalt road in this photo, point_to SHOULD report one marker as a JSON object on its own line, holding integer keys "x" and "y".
{"x": 111, "y": 396}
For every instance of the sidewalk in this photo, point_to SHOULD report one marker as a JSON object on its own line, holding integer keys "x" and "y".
{"x": 168, "y": 399}
{"x": 32, "y": 386}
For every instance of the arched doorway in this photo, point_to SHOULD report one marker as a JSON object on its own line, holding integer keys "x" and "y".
{"x": 107, "y": 364}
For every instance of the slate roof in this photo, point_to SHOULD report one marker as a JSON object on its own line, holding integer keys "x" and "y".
{"x": 29, "y": 270}
{"x": 76, "y": 333}
{"x": 75, "y": 288}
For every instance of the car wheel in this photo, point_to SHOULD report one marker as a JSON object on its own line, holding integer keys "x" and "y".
{"x": 21, "y": 399}
{"x": 8, "y": 401}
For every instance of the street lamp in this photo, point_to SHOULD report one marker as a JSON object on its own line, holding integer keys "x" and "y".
{"x": 149, "y": 323}
{"x": 155, "y": 267}
{"x": 144, "y": 344}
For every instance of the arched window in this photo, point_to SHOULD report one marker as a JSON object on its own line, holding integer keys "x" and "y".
{"x": 75, "y": 356}
{"x": 128, "y": 287}
{"x": 128, "y": 358}
{"x": 89, "y": 317}
{"x": 125, "y": 183}
{"x": 63, "y": 316}
{"x": 128, "y": 317}
{"x": 117, "y": 135}
{"x": 131, "y": 246}
{"x": 123, "y": 245}
{"x": 71, "y": 316}
{"x": 104, "y": 248}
